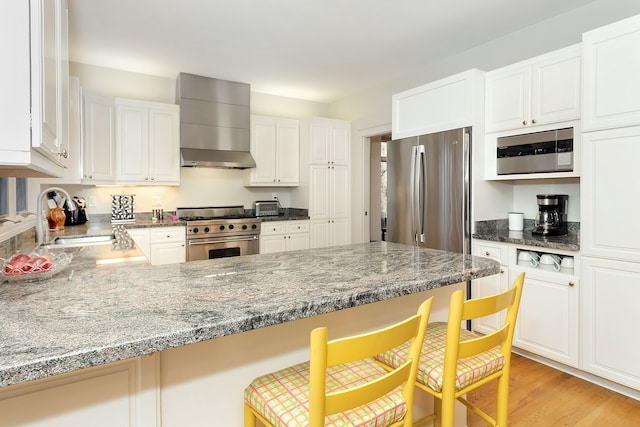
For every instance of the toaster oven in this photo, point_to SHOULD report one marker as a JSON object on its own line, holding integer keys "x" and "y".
{"x": 267, "y": 208}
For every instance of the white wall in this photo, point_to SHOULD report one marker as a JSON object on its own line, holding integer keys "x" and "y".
{"x": 372, "y": 109}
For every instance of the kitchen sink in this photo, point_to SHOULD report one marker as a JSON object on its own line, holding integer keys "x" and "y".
{"x": 79, "y": 241}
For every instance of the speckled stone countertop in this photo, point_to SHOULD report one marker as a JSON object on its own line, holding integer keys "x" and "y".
{"x": 101, "y": 314}
{"x": 498, "y": 231}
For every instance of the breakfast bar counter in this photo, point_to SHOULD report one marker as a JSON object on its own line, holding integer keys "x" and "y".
{"x": 90, "y": 315}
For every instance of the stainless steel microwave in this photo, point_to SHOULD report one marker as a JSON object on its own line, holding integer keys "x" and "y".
{"x": 539, "y": 152}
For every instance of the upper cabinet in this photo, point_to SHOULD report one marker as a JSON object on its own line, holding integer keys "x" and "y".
{"x": 539, "y": 91}
{"x": 611, "y": 68}
{"x": 330, "y": 142}
{"x": 98, "y": 140}
{"x": 147, "y": 143}
{"x": 130, "y": 142}
{"x": 275, "y": 146}
{"x": 446, "y": 104}
{"x": 33, "y": 113}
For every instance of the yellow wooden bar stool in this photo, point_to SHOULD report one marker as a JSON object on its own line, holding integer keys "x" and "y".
{"x": 455, "y": 361}
{"x": 342, "y": 385}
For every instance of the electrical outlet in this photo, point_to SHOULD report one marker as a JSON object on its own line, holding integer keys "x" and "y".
{"x": 274, "y": 196}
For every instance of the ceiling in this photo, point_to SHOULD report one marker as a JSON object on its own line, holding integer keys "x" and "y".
{"x": 317, "y": 50}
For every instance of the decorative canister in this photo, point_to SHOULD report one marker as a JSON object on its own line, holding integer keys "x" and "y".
{"x": 122, "y": 208}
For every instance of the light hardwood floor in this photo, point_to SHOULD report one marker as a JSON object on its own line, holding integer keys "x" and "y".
{"x": 543, "y": 396}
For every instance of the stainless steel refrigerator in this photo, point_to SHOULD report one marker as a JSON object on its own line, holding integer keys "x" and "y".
{"x": 428, "y": 191}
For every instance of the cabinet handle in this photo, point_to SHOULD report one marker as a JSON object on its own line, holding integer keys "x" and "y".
{"x": 487, "y": 253}
{"x": 168, "y": 236}
{"x": 533, "y": 121}
{"x": 62, "y": 153}
{"x": 524, "y": 122}
{"x": 152, "y": 178}
{"x": 571, "y": 284}
{"x": 501, "y": 271}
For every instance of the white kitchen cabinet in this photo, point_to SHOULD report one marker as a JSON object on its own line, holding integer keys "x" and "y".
{"x": 98, "y": 140}
{"x": 446, "y": 104}
{"x": 490, "y": 285}
{"x": 548, "y": 319}
{"x": 327, "y": 147}
{"x": 147, "y": 143}
{"x": 33, "y": 114}
{"x": 330, "y": 142}
{"x": 281, "y": 236}
{"x": 610, "y": 295}
{"x": 73, "y": 172}
{"x": 121, "y": 393}
{"x": 610, "y": 71}
{"x": 275, "y": 146}
{"x": 161, "y": 245}
{"x": 539, "y": 91}
{"x": 610, "y": 194}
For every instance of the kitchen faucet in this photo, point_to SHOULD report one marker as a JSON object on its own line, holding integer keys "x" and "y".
{"x": 40, "y": 232}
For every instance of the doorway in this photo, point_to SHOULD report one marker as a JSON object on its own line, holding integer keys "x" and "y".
{"x": 378, "y": 187}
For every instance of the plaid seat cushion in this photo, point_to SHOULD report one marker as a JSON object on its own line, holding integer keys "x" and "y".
{"x": 282, "y": 397}
{"x": 470, "y": 369}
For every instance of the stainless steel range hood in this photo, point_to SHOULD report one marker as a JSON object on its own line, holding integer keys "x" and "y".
{"x": 214, "y": 122}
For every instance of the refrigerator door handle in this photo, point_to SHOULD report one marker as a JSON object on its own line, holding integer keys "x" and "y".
{"x": 413, "y": 182}
{"x": 420, "y": 196}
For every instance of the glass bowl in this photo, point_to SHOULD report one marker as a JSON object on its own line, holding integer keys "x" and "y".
{"x": 34, "y": 267}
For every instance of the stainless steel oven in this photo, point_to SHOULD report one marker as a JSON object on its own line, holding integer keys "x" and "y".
{"x": 220, "y": 232}
{"x": 198, "y": 249}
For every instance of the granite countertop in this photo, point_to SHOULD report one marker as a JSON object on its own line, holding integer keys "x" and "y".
{"x": 90, "y": 315}
{"x": 498, "y": 231}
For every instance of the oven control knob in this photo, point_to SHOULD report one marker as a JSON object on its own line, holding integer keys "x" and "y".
{"x": 244, "y": 226}
{"x": 222, "y": 227}
{"x": 254, "y": 226}
{"x": 195, "y": 229}
{"x": 230, "y": 226}
{"x": 206, "y": 229}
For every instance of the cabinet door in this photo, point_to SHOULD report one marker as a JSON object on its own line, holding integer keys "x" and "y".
{"x": 132, "y": 143}
{"x": 141, "y": 237}
{"x": 320, "y": 233}
{"x": 611, "y": 291}
{"x": 320, "y": 142}
{"x": 340, "y": 143}
{"x": 50, "y": 76}
{"x": 319, "y": 191}
{"x": 168, "y": 253}
{"x": 288, "y": 152}
{"x": 555, "y": 92}
{"x": 272, "y": 244}
{"x": 339, "y": 192}
{"x": 298, "y": 241}
{"x": 610, "y": 194}
{"x": 547, "y": 322}
{"x": 611, "y": 68}
{"x": 508, "y": 94}
{"x": 339, "y": 232}
{"x": 263, "y": 149}
{"x": 164, "y": 145}
{"x": 490, "y": 285}
{"x": 99, "y": 141}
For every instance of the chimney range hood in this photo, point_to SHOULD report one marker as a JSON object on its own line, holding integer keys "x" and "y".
{"x": 214, "y": 122}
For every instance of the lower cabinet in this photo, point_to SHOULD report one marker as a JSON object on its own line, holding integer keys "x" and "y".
{"x": 490, "y": 285}
{"x": 330, "y": 232}
{"x": 124, "y": 393}
{"x": 547, "y": 322}
{"x": 161, "y": 245}
{"x": 610, "y": 295}
{"x": 281, "y": 236}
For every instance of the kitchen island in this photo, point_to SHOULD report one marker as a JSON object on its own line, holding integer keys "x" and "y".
{"x": 186, "y": 316}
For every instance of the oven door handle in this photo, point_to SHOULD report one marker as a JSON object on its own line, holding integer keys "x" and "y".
{"x": 222, "y": 240}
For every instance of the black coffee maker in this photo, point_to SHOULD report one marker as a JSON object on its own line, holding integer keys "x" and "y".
{"x": 552, "y": 215}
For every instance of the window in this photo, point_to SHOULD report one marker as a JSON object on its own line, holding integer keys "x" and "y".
{"x": 13, "y": 197}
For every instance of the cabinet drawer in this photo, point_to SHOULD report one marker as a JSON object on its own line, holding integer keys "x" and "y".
{"x": 494, "y": 251}
{"x": 167, "y": 235}
{"x": 297, "y": 227}
{"x": 272, "y": 227}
